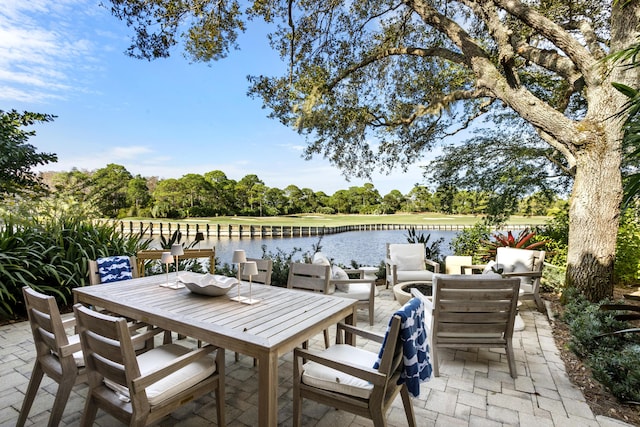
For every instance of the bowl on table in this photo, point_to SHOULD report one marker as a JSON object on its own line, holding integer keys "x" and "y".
{"x": 211, "y": 284}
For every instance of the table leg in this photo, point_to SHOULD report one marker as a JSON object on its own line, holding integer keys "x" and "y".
{"x": 268, "y": 390}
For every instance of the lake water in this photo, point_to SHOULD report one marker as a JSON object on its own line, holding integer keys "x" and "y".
{"x": 365, "y": 247}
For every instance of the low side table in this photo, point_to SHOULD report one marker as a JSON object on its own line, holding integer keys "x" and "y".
{"x": 370, "y": 273}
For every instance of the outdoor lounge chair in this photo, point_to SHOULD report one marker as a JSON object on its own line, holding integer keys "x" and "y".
{"x": 525, "y": 264}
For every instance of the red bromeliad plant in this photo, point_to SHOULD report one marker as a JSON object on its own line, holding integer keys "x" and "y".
{"x": 521, "y": 241}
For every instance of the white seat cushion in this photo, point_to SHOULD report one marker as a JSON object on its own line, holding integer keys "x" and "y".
{"x": 169, "y": 386}
{"x": 325, "y": 378}
{"x": 358, "y": 291}
{"x": 406, "y": 276}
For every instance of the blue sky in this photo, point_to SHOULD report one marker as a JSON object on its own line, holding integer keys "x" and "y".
{"x": 163, "y": 118}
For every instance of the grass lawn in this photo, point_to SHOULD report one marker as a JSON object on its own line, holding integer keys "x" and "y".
{"x": 316, "y": 220}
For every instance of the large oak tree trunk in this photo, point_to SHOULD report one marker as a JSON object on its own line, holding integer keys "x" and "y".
{"x": 594, "y": 209}
{"x": 593, "y": 219}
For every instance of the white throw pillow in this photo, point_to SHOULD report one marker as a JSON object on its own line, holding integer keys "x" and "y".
{"x": 320, "y": 258}
{"x": 408, "y": 257}
{"x": 338, "y": 273}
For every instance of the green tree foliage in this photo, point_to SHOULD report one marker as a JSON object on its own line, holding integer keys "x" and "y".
{"x": 375, "y": 84}
{"x": 109, "y": 189}
{"x": 507, "y": 164}
{"x": 17, "y": 157}
{"x": 138, "y": 196}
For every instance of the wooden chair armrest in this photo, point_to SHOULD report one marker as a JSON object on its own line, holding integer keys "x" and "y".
{"x": 144, "y": 381}
{"x": 144, "y": 336}
{"x": 368, "y": 374}
{"x": 523, "y": 274}
{"x": 69, "y": 323}
{"x": 349, "y": 329}
{"x": 69, "y": 349}
{"x": 473, "y": 268}
{"x": 434, "y": 264}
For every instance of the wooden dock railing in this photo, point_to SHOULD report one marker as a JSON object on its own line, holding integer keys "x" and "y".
{"x": 156, "y": 228}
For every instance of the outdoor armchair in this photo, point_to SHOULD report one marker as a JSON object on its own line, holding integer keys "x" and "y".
{"x": 140, "y": 390}
{"x": 407, "y": 262}
{"x": 344, "y": 377}
{"x": 471, "y": 311}
{"x": 525, "y": 264}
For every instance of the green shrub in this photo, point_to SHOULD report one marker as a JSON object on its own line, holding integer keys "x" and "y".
{"x": 556, "y": 232}
{"x": 469, "y": 241}
{"x": 627, "y": 266}
{"x": 432, "y": 251}
{"x": 613, "y": 358}
{"x": 619, "y": 372}
{"x": 281, "y": 261}
{"x": 49, "y": 251}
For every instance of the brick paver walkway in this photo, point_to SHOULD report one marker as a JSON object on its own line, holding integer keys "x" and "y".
{"x": 474, "y": 387}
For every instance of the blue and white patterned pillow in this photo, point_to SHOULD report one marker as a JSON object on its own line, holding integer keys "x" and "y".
{"x": 114, "y": 268}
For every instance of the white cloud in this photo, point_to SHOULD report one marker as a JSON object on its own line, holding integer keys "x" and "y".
{"x": 37, "y": 58}
{"x": 127, "y": 153}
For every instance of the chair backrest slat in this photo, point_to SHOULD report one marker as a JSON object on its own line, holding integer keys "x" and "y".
{"x": 46, "y": 323}
{"x": 472, "y": 305}
{"x": 107, "y": 346}
{"x": 265, "y": 267}
{"x": 310, "y": 277}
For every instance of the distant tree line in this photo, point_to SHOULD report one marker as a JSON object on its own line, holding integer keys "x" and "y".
{"x": 115, "y": 193}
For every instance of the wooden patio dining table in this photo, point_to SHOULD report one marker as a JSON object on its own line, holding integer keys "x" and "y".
{"x": 282, "y": 320}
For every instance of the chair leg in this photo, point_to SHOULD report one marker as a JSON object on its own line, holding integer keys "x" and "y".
{"x": 327, "y": 341}
{"x": 378, "y": 418}
{"x": 408, "y": 407}
{"x": 60, "y": 402}
{"x": 370, "y": 314}
{"x": 511, "y": 360}
{"x": 539, "y": 303}
{"x": 220, "y": 404}
{"x": 90, "y": 412}
{"x": 30, "y": 395}
{"x": 434, "y": 361}
{"x": 297, "y": 399}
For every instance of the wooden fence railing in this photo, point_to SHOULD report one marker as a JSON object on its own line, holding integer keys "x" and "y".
{"x": 155, "y": 229}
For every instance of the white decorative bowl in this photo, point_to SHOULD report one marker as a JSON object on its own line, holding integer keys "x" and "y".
{"x": 212, "y": 285}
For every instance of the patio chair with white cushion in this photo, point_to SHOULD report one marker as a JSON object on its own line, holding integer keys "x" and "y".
{"x": 342, "y": 284}
{"x": 407, "y": 262}
{"x": 141, "y": 390}
{"x": 362, "y": 382}
{"x": 525, "y": 264}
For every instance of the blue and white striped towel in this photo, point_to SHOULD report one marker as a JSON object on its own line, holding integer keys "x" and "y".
{"x": 415, "y": 346}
